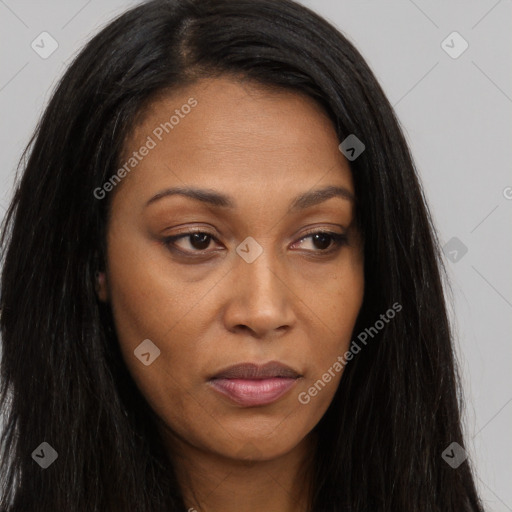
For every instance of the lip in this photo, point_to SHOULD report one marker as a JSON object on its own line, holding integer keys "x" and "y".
{"x": 252, "y": 385}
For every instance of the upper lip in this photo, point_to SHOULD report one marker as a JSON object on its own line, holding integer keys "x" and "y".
{"x": 255, "y": 371}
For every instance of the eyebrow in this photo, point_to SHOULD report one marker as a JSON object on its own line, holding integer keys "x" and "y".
{"x": 217, "y": 199}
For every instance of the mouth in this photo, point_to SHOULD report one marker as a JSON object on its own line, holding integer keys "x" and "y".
{"x": 252, "y": 385}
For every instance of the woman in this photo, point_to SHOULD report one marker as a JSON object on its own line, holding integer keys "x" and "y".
{"x": 221, "y": 286}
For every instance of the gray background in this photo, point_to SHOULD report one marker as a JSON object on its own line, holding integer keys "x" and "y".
{"x": 456, "y": 113}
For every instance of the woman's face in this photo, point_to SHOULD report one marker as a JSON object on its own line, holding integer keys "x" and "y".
{"x": 254, "y": 284}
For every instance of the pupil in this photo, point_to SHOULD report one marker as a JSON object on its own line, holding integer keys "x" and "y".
{"x": 323, "y": 238}
{"x": 201, "y": 239}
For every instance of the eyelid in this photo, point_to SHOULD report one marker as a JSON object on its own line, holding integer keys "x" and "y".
{"x": 338, "y": 240}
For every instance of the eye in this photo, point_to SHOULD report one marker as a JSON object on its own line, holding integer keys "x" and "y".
{"x": 327, "y": 241}
{"x": 198, "y": 242}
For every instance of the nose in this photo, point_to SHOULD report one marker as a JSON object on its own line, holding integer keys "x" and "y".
{"x": 260, "y": 299}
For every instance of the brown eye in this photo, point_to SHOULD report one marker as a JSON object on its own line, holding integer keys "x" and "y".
{"x": 324, "y": 240}
{"x": 198, "y": 241}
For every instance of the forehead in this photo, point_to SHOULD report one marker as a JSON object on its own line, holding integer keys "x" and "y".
{"x": 237, "y": 133}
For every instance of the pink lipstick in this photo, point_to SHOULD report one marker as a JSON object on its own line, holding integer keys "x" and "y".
{"x": 251, "y": 385}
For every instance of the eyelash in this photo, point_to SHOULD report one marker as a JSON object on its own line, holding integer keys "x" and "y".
{"x": 339, "y": 240}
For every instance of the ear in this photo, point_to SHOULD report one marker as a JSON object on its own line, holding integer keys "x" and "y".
{"x": 101, "y": 286}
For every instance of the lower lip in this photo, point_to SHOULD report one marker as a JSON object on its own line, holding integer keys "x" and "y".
{"x": 252, "y": 392}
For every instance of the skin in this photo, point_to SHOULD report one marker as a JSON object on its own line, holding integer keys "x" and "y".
{"x": 263, "y": 147}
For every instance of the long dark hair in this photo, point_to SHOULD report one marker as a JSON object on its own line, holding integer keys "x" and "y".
{"x": 398, "y": 404}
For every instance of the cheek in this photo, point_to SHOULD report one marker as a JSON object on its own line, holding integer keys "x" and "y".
{"x": 147, "y": 300}
{"x": 156, "y": 337}
{"x": 171, "y": 382}
{"x": 148, "y": 304}
{"x": 337, "y": 304}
